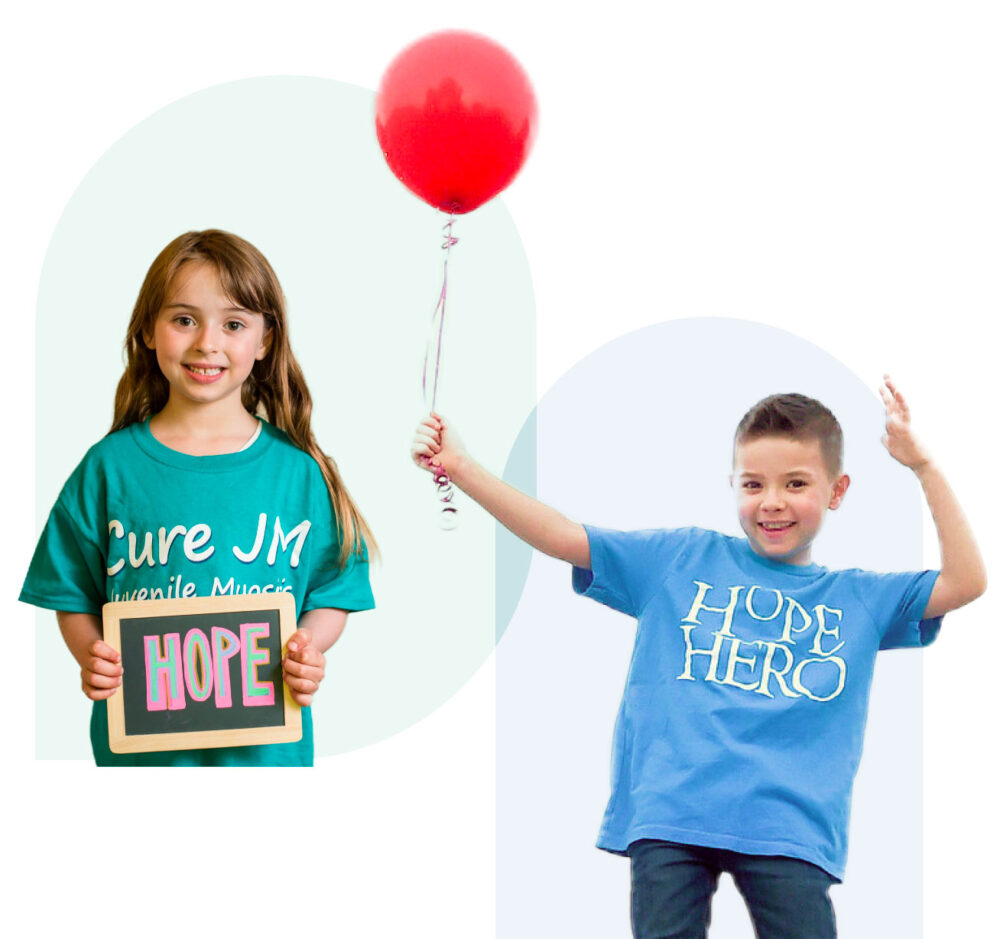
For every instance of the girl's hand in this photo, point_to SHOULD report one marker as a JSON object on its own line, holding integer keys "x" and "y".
{"x": 101, "y": 671}
{"x": 303, "y": 667}
{"x": 899, "y": 439}
{"x": 435, "y": 444}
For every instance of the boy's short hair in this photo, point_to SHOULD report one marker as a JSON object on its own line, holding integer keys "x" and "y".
{"x": 798, "y": 417}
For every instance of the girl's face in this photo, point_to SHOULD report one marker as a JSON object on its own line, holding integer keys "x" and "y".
{"x": 205, "y": 344}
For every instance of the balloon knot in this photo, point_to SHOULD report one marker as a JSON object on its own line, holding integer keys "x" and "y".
{"x": 449, "y": 239}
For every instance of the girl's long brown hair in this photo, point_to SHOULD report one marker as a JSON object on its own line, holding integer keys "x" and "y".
{"x": 276, "y": 388}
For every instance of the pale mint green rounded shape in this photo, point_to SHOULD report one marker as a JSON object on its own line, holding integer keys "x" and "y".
{"x": 292, "y": 165}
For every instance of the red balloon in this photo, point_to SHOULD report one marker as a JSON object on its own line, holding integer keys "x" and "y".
{"x": 455, "y": 117}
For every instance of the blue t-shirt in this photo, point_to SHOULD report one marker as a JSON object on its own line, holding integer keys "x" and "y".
{"x": 744, "y": 710}
{"x": 137, "y": 520}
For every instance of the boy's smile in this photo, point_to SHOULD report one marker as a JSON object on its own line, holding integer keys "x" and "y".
{"x": 783, "y": 489}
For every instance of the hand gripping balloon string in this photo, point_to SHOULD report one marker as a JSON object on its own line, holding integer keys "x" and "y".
{"x": 446, "y": 492}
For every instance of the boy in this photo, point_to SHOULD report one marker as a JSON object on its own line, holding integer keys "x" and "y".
{"x": 741, "y": 725}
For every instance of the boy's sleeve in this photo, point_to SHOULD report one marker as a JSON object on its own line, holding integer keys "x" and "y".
{"x": 67, "y": 571}
{"x": 329, "y": 585}
{"x": 627, "y": 567}
{"x": 897, "y": 603}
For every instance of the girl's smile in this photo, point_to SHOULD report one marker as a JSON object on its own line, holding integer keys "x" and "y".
{"x": 204, "y": 373}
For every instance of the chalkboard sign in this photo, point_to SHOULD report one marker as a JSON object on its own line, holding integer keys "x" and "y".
{"x": 201, "y": 672}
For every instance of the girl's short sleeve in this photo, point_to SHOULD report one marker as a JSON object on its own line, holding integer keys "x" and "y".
{"x": 627, "y": 567}
{"x": 346, "y": 589}
{"x": 331, "y": 586}
{"x": 67, "y": 571}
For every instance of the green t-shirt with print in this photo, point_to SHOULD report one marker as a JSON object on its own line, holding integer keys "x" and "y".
{"x": 137, "y": 520}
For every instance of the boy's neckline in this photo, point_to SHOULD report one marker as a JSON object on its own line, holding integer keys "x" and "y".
{"x": 793, "y": 570}
{"x": 217, "y": 462}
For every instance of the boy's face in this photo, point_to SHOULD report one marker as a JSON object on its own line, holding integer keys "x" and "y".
{"x": 783, "y": 489}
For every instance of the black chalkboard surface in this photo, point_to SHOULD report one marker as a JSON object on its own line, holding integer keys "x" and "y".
{"x": 201, "y": 672}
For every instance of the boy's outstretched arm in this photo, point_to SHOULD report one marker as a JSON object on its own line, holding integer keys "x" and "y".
{"x": 541, "y": 526}
{"x": 963, "y": 574}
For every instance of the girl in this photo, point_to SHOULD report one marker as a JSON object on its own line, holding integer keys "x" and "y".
{"x": 209, "y": 482}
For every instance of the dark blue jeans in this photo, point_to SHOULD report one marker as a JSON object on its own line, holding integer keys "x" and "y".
{"x": 673, "y": 884}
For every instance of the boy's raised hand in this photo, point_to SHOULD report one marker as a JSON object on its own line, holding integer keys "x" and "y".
{"x": 304, "y": 667}
{"x": 899, "y": 439}
{"x": 435, "y": 444}
{"x": 963, "y": 574}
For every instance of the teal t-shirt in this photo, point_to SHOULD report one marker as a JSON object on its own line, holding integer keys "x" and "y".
{"x": 137, "y": 520}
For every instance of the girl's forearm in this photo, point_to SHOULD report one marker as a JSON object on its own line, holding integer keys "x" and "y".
{"x": 532, "y": 521}
{"x": 325, "y": 625}
{"x": 963, "y": 573}
{"x": 80, "y": 631}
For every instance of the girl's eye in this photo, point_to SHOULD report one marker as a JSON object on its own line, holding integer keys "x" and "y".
{"x": 183, "y": 320}
{"x": 234, "y": 326}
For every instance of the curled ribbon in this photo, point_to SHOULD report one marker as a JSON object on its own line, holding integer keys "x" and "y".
{"x": 446, "y": 491}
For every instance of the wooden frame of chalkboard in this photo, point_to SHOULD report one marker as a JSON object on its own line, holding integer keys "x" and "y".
{"x": 201, "y": 672}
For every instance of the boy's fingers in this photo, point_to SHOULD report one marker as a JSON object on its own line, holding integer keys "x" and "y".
{"x": 431, "y": 423}
{"x": 427, "y": 442}
{"x": 888, "y": 395}
{"x": 897, "y": 397}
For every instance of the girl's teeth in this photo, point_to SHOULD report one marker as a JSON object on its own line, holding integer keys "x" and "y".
{"x": 204, "y": 371}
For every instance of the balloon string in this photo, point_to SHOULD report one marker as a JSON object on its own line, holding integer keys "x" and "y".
{"x": 438, "y": 315}
{"x": 446, "y": 491}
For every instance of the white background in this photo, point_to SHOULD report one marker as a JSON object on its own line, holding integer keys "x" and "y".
{"x": 828, "y": 170}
